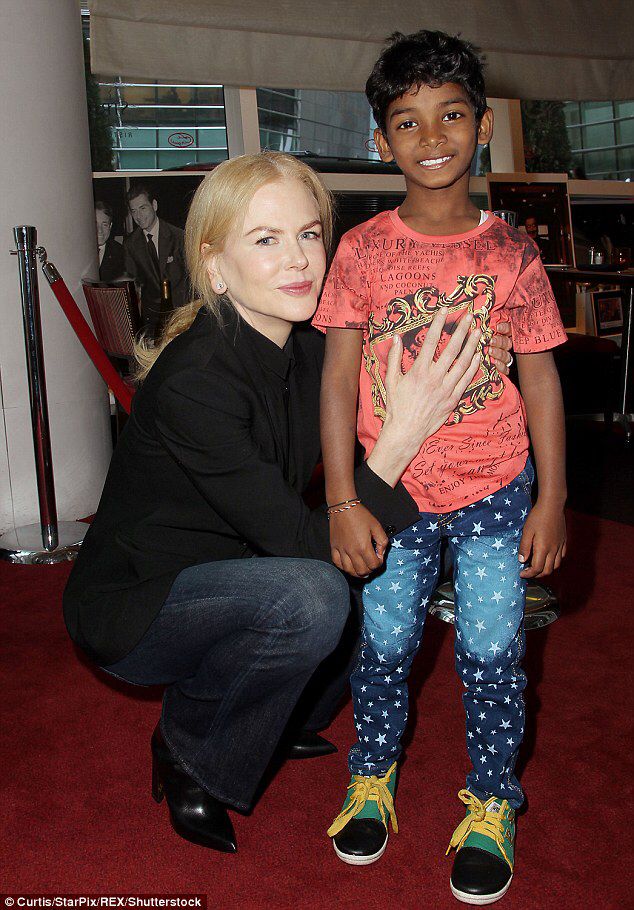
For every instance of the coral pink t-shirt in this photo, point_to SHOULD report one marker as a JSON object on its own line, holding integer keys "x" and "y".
{"x": 387, "y": 279}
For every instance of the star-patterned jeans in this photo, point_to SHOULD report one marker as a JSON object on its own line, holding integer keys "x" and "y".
{"x": 489, "y": 611}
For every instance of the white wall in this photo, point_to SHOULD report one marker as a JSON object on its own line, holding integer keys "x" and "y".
{"x": 45, "y": 180}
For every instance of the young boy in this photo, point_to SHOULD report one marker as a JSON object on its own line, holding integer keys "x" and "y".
{"x": 471, "y": 480}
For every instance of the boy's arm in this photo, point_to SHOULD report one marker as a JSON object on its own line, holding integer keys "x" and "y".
{"x": 357, "y": 539}
{"x": 544, "y": 539}
{"x": 338, "y": 411}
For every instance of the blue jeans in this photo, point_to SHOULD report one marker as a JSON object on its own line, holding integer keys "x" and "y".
{"x": 489, "y": 612}
{"x": 235, "y": 642}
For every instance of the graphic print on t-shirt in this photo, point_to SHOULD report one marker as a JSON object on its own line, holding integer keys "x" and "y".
{"x": 410, "y": 317}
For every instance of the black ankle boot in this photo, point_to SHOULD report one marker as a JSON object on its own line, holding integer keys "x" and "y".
{"x": 310, "y": 745}
{"x": 195, "y": 814}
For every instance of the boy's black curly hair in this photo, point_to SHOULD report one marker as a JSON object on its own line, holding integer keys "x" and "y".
{"x": 425, "y": 58}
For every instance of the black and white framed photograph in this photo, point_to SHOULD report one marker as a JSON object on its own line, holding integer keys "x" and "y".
{"x": 139, "y": 223}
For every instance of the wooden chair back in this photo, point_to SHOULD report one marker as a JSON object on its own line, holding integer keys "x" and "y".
{"x": 114, "y": 310}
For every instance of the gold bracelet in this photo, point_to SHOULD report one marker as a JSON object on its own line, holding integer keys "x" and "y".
{"x": 351, "y": 504}
{"x": 344, "y": 502}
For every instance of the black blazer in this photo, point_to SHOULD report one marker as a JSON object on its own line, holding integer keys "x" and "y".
{"x": 112, "y": 267}
{"x": 196, "y": 477}
{"x": 172, "y": 262}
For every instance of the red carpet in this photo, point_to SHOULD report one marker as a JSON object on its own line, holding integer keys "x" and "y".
{"x": 75, "y": 760}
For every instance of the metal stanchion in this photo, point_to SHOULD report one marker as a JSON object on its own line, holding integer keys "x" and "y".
{"x": 49, "y": 542}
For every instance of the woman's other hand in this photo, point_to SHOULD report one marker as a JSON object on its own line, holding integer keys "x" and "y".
{"x": 501, "y": 347}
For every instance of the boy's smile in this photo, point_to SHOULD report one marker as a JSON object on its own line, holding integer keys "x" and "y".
{"x": 431, "y": 133}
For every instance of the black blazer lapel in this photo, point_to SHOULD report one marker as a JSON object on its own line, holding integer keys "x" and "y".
{"x": 306, "y": 437}
{"x": 253, "y": 372}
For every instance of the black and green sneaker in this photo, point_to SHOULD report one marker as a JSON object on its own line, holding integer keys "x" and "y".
{"x": 484, "y": 840}
{"x": 359, "y": 833}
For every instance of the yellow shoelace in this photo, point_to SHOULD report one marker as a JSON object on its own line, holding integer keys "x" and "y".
{"x": 479, "y": 821}
{"x": 364, "y": 789}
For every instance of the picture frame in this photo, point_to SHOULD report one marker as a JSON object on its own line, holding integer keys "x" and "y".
{"x": 607, "y": 310}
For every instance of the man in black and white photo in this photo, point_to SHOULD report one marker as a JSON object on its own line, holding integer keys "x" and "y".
{"x": 111, "y": 257}
{"x": 154, "y": 252}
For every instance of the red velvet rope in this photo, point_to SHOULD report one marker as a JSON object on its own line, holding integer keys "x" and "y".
{"x": 100, "y": 359}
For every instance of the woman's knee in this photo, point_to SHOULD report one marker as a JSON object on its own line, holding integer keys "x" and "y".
{"x": 317, "y": 605}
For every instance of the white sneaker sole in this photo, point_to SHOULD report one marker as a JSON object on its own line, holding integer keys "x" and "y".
{"x": 360, "y": 860}
{"x": 480, "y": 900}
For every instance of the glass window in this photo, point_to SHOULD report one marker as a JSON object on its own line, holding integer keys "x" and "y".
{"x": 129, "y": 94}
{"x": 626, "y": 162}
{"x": 593, "y": 111}
{"x": 209, "y": 94}
{"x": 625, "y": 131}
{"x": 624, "y": 108}
{"x": 601, "y": 165}
{"x": 599, "y": 136}
{"x": 211, "y": 156}
{"x": 155, "y": 125}
{"x": 574, "y": 137}
{"x": 131, "y": 116}
{"x": 324, "y": 124}
{"x": 135, "y": 161}
{"x": 212, "y": 116}
{"x": 582, "y": 138}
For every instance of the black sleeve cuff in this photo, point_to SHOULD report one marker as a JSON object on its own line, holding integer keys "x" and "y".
{"x": 394, "y": 508}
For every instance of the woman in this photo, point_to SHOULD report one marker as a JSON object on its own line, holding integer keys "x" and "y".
{"x": 222, "y": 439}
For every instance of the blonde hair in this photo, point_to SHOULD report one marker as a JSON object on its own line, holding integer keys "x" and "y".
{"x": 220, "y": 200}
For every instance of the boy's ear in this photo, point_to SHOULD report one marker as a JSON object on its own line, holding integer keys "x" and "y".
{"x": 485, "y": 129}
{"x": 382, "y": 146}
